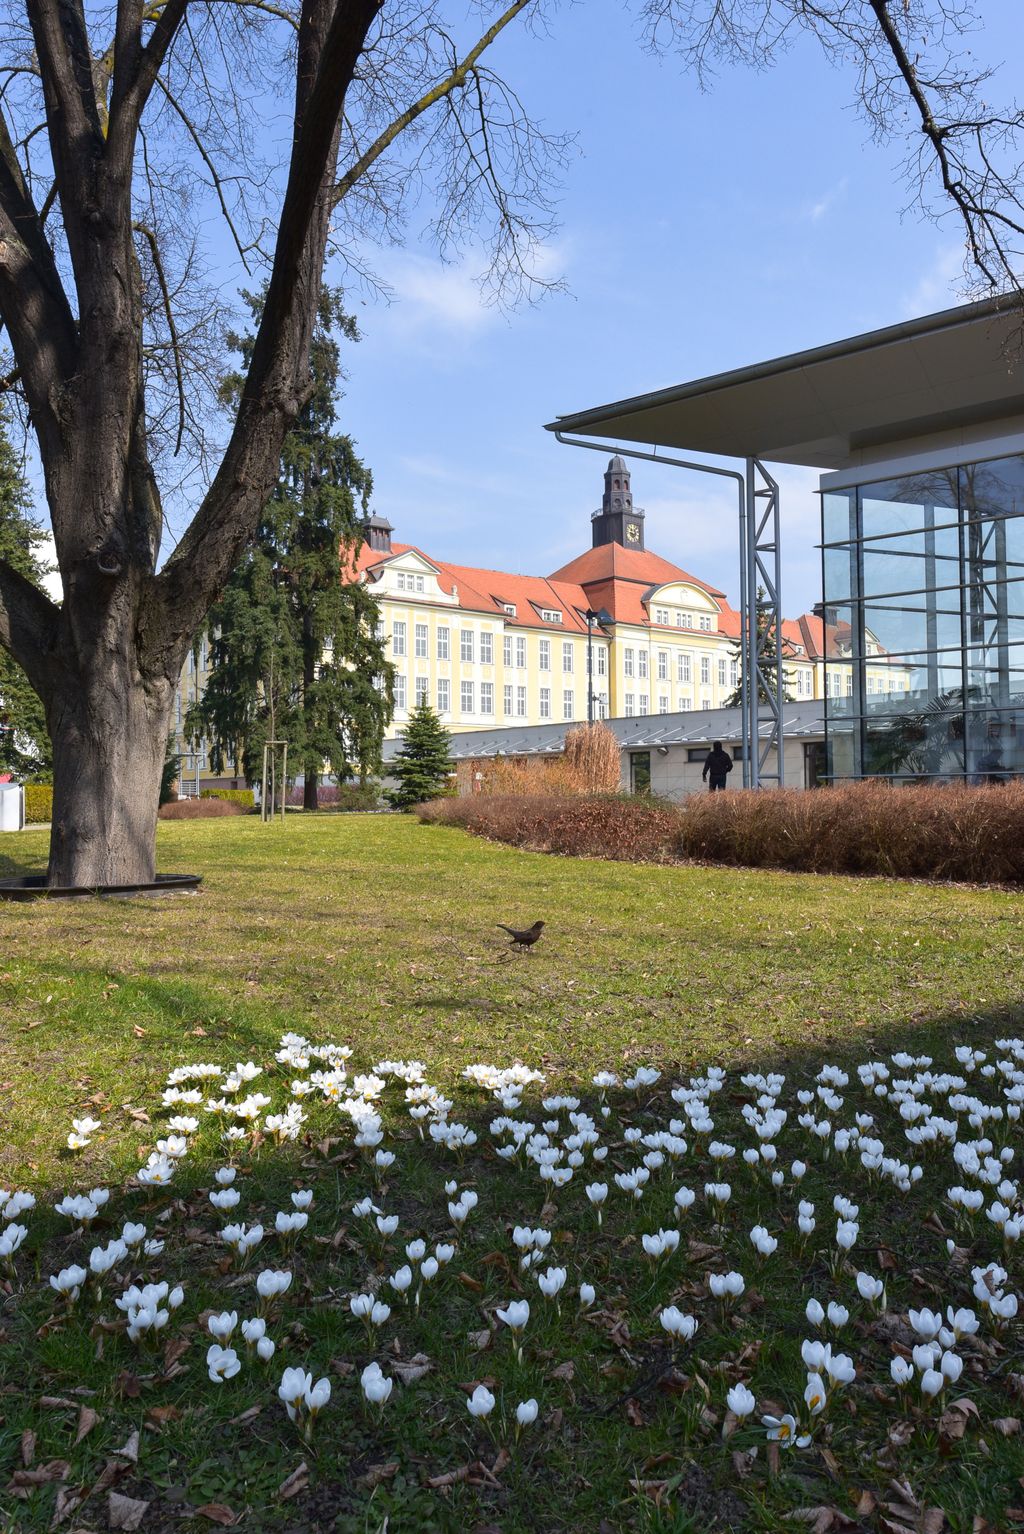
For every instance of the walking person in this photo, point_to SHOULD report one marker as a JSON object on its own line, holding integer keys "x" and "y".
{"x": 717, "y": 766}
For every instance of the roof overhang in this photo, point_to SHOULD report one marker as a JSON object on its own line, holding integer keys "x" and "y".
{"x": 825, "y": 407}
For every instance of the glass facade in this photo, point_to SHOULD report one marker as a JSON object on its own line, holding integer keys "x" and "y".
{"x": 923, "y": 582}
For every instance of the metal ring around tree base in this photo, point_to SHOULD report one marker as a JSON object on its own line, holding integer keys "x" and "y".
{"x": 35, "y": 887}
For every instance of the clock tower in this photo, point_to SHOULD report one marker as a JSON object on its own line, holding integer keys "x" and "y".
{"x": 618, "y": 520}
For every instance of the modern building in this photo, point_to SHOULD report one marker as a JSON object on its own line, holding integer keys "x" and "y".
{"x": 918, "y": 430}
{"x": 491, "y": 648}
{"x": 660, "y": 754}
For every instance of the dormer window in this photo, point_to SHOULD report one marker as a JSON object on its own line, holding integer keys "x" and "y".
{"x": 551, "y": 615}
{"x": 510, "y": 608}
{"x": 661, "y": 616}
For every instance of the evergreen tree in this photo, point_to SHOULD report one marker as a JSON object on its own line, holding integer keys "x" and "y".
{"x": 24, "y": 739}
{"x": 294, "y": 649}
{"x": 769, "y": 662}
{"x": 423, "y": 764}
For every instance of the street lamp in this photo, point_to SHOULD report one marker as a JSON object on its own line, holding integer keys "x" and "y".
{"x": 602, "y": 617}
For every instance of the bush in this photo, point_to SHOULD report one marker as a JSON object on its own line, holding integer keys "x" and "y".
{"x": 954, "y": 832}
{"x": 200, "y": 809}
{"x": 594, "y": 754}
{"x": 38, "y": 803}
{"x": 520, "y": 777}
{"x": 915, "y": 832}
{"x": 342, "y": 796}
{"x": 595, "y": 826}
{"x": 243, "y": 796}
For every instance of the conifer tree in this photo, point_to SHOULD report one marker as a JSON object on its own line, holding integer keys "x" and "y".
{"x": 423, "y": 764}
{"x": 294, "y": 648}
{"x": 768, "y": 664}
{"x": 24, "y": 739}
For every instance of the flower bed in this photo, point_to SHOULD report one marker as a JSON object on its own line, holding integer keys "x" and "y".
{"x": 738, "y": 1297}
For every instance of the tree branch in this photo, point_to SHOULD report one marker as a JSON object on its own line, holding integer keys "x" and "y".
{"x": 161, "y": 277}
{"x": 453, "y": 81}
{"x": 28, "y": 626}
{"x": 33, "y": 304}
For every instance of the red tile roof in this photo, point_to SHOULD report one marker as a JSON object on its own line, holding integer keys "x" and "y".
{"x": 609, "y": 576}
{"x": 612, "y": 561}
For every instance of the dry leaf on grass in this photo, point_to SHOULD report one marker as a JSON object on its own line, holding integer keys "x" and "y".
{"x": 376, "y": 1475}
{"x": 217, "y": 1512}
{"x": 564, "y": 1371}
{"x": 129, "y": 1450}
{"x": 1008, "y": 1427}
{"x": 87, "y": 1420}
{"x": 23, "y": 1481}
{"x": 28, "y": 1447}
{"x": 296, "y": 1482}
{"x": 412, "y": 1369}
{"x": 821, "y": 1520}
{"x": 125, "y": 1512}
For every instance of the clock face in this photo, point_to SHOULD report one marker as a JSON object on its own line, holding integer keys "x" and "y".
{"x": 632, "y": 532}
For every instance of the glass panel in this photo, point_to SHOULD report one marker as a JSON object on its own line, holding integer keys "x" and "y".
{"x": 912, "y": 562}
{"x": 995, "y": 746}
{"x": 993, "y": 489}
{"x": 840, "y": 573}
{"x": 926, "y": 622}
{"x": 906, "y": 683}
{"x": 995, "y": 674}
{"x": 839, "y": 689}
{"x": 838, "y": 515}
{"x": 842, "y": 748}
{"x": 839, "y": 621}
{"x": 928, "y": 745}
{"x": 908, "y": 505}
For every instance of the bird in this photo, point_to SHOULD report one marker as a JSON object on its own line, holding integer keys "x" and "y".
{"x": 523, "y": 939}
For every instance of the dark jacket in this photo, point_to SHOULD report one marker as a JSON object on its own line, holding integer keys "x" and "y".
{"x": 716, "y": 765}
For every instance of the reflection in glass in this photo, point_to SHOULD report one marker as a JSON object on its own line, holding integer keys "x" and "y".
{"x": 924, "y": 625}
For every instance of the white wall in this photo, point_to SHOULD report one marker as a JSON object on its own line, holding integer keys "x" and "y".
{"x": 673, "y": 777}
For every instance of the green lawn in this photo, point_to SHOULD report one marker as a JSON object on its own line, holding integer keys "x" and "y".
{"x": 382, "y": 931}
{"x": 379, "y": 933}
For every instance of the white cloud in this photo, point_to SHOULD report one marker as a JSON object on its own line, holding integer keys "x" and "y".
{"x": 816, "y": 211}
{"x": 941, "y": 284}
{"x": 428, "y": 294}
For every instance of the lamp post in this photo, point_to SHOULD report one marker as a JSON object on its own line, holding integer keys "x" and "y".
{"x": 601, "y": 617}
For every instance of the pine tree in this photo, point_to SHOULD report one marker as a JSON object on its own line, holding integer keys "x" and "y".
{"x": 24, "y": 739}
{"x": 294, "y": 648}
{"x": 769, "y": 662}
{"x": 423, "y": 764}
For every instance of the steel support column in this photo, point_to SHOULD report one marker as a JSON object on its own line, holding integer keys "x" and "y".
{"x": 761, "y": 627}
{"x": 760, "y": 602}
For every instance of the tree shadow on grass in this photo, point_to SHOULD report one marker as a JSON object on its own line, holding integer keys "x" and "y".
{"x": 21, "y": 859}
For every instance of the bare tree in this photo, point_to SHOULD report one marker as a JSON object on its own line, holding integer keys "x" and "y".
{"x": 105, "y": 136}
{"x": 118, "y": 120}
{"x": 917, "y": 83}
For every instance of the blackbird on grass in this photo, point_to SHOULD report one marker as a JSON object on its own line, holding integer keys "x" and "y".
{"x": 523, "y": 939}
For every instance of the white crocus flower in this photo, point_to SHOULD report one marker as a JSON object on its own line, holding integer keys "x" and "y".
{"x": 221, "y": 1363}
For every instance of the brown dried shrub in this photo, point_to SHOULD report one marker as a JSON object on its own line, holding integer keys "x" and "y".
{"x": 944, "y": 833}
{"x": 595, "y": 826}
{"x": 201, "y": 809}
{"x": 914, "y": 832}
{"x": 594, "y": 754}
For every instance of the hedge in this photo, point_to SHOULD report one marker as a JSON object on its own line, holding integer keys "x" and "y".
{"x": 243, "y": 796}
{"x": 38, "y": 803}
{"x": 953, "y": 832}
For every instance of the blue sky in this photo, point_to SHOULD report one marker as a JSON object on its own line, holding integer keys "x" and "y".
{"x": 699, "y": 232}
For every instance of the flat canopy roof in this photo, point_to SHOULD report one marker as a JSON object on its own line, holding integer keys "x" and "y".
{"x": 821, "y": 407}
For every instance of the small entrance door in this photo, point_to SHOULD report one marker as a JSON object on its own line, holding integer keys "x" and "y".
{"x": 640, "y": 772}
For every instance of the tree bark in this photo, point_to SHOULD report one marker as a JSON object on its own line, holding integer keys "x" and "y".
{"x": 109, "y": 731}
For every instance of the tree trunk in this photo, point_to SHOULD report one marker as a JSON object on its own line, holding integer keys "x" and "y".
{"x": 109, "y": 745}
{"x": 310, "y": 791}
